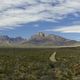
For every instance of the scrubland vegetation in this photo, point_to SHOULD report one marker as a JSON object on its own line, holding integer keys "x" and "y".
{"x": 34, "y": 64}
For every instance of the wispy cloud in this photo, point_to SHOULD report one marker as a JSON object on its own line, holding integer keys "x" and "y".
{"x": 67, "y": 29}
{"x": 17, "y": 12}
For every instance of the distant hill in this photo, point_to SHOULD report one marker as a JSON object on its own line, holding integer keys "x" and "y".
{"x": 8, "y": 41}
{"x": 39, "y": 39}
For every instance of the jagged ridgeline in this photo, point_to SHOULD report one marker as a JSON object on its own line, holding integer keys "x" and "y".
{"x": 39, "y": 39}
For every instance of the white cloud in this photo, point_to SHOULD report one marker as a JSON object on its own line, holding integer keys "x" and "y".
{"x": 36, "y": 25}
{"x": 67, "y": 29}
{"x": 17, "y": 12}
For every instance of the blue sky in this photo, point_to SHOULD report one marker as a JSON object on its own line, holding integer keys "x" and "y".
{"x": 27, "y": 17}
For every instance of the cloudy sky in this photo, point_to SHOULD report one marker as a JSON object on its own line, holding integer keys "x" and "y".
{"x": 27, "y": 17}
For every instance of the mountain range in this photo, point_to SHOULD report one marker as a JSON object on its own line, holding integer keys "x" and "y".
{"x": 38, "y": 40}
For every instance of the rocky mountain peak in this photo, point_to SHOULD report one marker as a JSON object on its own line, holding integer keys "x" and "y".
{"x": 4, "y": 37}
{"x": 41, "y": 34}
{"x": 39, "y": 39}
